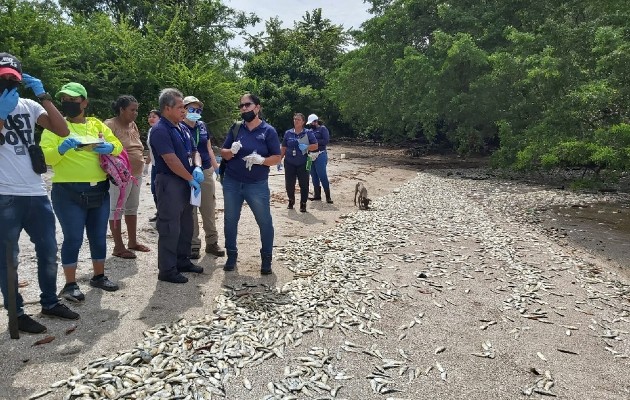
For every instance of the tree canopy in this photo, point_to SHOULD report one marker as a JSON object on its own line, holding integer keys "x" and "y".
{"x": 536, "y": 84}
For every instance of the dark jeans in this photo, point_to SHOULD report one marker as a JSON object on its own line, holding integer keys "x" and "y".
{"x": 153, "y": 175}
{"x": 34, "y": 215}
{"x": 258, "y": 199}
{"x": 174, "y": 223}
{"x": 74, "y": 219}
{"x": 318, "y": 171}
{"x": 291, "y": 172}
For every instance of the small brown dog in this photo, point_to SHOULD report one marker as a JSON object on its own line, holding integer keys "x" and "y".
{"x": 364, "y": 202}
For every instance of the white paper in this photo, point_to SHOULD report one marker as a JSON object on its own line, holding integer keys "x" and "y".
{"x": 195, "y": 200}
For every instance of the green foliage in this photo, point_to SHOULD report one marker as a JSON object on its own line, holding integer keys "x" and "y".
{"x": 543, "y": 84}
{"x": 112, "y": 50}
{"x": 290, "y": 70}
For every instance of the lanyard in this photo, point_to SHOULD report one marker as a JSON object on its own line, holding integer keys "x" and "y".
{"x": 182, "y": 135}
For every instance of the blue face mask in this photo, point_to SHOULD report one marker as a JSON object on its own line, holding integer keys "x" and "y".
{"x": 193, "y": 116}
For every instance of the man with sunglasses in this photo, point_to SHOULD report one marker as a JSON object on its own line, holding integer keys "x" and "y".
{"x": 24, "y": 203}
{"x": 201, "y": 136}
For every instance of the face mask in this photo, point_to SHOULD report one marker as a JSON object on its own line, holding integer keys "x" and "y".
{"x": 248, "y": 116}
{"x": 193, "y": 116}
{"x": 70, "y": 109}
{"x": 8, "y": 85}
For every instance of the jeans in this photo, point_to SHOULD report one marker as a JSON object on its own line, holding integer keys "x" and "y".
{"x": 35, "y": 215}
{"x": 153, "y": 175}
{"x": 318, "y": 171}
{"x": 74, "y": 219}
{"x": 257, "y": 196}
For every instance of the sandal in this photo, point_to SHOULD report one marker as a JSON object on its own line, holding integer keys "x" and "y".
{"x": 139, "y": 247}
{"x": 124, "y": 254}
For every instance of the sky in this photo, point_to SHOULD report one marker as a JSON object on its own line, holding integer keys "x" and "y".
{"x": 349, "y": 13}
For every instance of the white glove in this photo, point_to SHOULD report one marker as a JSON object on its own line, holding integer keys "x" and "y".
{"x": 236, "y": 146}
{"x": 257, "y": 158}
{"x": 252, "y": 159}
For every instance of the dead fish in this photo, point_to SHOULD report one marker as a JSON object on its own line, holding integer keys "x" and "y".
{"x": 247, "y": 384}
{"x": 541, "y": 356}
{"x": 439, "y": 350}
{"x": 45, "y": 340}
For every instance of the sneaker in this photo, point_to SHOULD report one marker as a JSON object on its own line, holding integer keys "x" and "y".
{"x": 190, "y": 268}
{"x": 104, "y": 283}
{"x": 72, "y": 293}
{"x": 29, "y": 325}
{"x": 60, "y": 311}
{"x": 215, "y": 250}
{"x": 179, "y": 278}
{"x": 194, "y": 254}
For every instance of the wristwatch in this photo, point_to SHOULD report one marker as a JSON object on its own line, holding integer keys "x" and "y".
{"x": 45, "y": 96}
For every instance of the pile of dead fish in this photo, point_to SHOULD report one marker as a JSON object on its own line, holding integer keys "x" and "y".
{"x": 336, "y": 285}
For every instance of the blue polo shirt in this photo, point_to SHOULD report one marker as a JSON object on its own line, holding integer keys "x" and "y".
{"x": 200, "y": 136}
{"x": 167, "y": 138}
{"x": 263, "y": 139}
{"x": 292, "y": 140}
{"x": 323, "y": 137}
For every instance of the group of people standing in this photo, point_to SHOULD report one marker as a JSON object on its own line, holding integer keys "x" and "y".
{"x": 304, "y": 153}
{"x": 183, "y": 162}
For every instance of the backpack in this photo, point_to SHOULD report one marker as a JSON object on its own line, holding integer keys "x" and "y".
{"x": 234, "y": 132}
{"x": 118, "y": 170}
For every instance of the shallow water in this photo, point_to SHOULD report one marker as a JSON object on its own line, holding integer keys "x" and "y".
{"x": 601, "y": 227}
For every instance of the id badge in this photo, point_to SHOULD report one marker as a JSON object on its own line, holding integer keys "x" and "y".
{"x": 190, "y": 162}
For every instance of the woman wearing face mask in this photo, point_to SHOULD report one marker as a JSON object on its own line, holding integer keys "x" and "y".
{"x": 152, "y": 119}
{"x": 249, "y": 155}
{"x": 123, "y": 125}
{"x": 80, "y": 189}
{"x": 295, "y": 146}
{"x": 202, "y": 139}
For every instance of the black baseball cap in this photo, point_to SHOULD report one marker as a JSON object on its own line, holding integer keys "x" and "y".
{"x": 10, "y": 65}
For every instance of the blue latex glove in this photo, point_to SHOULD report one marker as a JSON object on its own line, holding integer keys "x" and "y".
{"x": 104, "y": 148}
{"x": 198, "y": 175}
{"x": 303, "y": 147}
{"x": 69, "y": 143}
{"x": 194, "y": 184}
{"x": 8, "y": 102}
{"x": 33, "y": 83}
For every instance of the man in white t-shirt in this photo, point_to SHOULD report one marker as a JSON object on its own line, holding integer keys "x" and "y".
{"x": 24, "y": 204}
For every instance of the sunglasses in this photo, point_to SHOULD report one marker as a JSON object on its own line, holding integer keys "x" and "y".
{"x": 245, "y": 105}
{"x": 195, "y": 110}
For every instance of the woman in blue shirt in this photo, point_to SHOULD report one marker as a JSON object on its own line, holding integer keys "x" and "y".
{"x": 249, "y": 152}
{"x": 295, "y": 146}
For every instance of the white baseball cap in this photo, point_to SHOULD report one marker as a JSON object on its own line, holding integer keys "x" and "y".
{"x": 312, "y": 118}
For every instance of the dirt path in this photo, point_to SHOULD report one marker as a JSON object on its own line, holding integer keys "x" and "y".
{"x": 458, "y": 232}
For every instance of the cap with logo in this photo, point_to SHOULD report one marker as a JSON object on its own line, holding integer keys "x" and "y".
{"x": 72, "y": 89}
{"x": 191, "y": 99}
{"x": 312, "y": 118}
{"x": 10, "y": 65}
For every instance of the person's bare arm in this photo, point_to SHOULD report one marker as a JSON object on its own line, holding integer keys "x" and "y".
{"x": 227, "y": 154}
{"x": 175, "y": 165}
{"x": 312, "y": 147}
{"x": 196, "y": 159}
{"x": 53, "y": 120}
{"x": 213, "y": 159}
{"x": 283, "y": 152}
{"x": 272, "y": 160}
